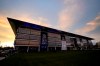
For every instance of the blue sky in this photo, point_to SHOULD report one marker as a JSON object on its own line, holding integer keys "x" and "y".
{"x": 75, "y": 16}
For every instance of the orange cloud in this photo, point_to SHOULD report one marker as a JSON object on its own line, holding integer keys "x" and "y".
{"x": 96, "y": 36}
{"x": 67, "y": 16}
{"x": 90, "y": 26}
{"x": 39, "y": 20}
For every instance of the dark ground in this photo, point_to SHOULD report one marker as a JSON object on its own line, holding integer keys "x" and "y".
{"x": 65, "y": 58}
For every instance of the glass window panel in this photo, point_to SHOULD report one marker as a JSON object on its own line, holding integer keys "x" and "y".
{"x": 22, "y": 42}
{"x": 36, "y": 32}
{"x": 22, "y": 36}
{"x": 24, "y": 30}
{"x": 84, "y": 40}
{"x": 67, "y": 39}
{"x": 35, "y": 37}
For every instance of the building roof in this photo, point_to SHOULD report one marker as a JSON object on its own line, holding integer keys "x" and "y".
{"x": 17, "y": 23}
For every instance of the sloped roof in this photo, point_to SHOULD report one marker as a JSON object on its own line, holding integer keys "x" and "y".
{"x": 17, "y": 23}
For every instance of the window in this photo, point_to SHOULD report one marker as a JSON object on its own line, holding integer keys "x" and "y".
{"x": 24, "y": 30}
{"x": 22, "y": 36}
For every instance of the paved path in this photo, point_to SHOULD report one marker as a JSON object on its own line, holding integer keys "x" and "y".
{"x": 1, "y": 58}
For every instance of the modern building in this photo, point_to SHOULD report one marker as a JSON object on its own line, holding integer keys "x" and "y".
{"x": 32, "y": 37}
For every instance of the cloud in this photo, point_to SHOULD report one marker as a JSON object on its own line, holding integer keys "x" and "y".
{"x": 95, "y": 36}
{"x": 28, "y": 18}
{"x": 90, "y": 26}
{"x": 68, "y": 15}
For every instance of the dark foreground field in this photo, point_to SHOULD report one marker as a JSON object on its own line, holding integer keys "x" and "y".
{"x": 67, "y": 58}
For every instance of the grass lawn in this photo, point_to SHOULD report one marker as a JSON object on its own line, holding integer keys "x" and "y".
{"x": 67, "y": 58}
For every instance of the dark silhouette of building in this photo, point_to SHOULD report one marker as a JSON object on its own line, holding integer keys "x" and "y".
{"x": 32, "y": 37}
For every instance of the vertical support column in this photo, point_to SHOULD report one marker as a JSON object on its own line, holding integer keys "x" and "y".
{"x": 28, "y": 49}
{"x": 78, "y": 43}
{"x": 64, "y": 44}
{"x": 55, "y": 48}
{"x": 44, "y": 41}
{"x": 39, "y": 49}
{"x": 81, "y": 44}
{"x": 17, "y": 31}
{"x": 29, "y": 40}
{"x": 90, "y": 44}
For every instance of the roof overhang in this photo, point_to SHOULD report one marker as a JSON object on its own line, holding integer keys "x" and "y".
{"x": 16, "y": 23}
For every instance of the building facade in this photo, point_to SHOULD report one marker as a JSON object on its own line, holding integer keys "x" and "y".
{"x": 32, "y": 37}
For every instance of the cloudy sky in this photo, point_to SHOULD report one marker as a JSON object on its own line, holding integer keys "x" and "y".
{"x": 75, "y": 16}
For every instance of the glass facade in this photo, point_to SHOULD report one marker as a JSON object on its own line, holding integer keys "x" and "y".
{"x": 44, "y": 40}
{"x": 27, "y": 37}
{"x": 68, "y": 40}
{"x": 54, "y": 40}
{"x": 84, "y": 41}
